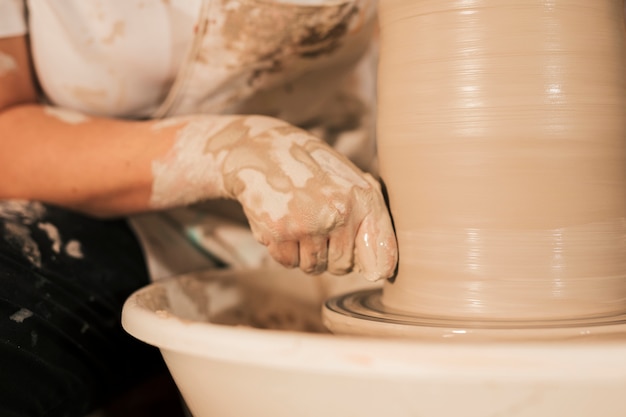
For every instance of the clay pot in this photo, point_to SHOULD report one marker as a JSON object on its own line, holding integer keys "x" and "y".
{"x": 502, "y": 142}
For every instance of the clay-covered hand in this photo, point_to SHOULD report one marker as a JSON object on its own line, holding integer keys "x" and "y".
{"x": 308, "y": 204}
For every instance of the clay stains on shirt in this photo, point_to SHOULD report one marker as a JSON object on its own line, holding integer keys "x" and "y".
{"x": 265, "y": 36}
{"x": 117, "y": 32}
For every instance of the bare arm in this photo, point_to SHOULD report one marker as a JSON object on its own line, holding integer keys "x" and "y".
{"x": 100, "y": 166}
{"x": 309, "y": 205}
{"x": 96, "y": 165}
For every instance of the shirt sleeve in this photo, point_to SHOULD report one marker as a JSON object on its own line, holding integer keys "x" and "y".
{"x": 12, "y": 18}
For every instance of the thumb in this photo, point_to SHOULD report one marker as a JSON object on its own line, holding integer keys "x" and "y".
{"x": 376, "y": 250}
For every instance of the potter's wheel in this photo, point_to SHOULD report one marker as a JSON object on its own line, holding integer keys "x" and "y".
{"x": 228, "y": 368}
{"x": 363, "y": 313}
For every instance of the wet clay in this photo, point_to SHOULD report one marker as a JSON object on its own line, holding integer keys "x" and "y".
{"x": 74, "y": 249}
{"x": 7, "y": 64}
{"x": 19, "y": 216}
{"x": 503, "y": 146}
{"x": 306, "y": 32}
{"x": 284, "y": 59}
{"x": 310, "y": 205}
{"x": 66, "y": 115}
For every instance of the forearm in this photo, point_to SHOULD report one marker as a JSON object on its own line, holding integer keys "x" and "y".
{"x": 95, "y": 165}
{"x": 307, "y": 203}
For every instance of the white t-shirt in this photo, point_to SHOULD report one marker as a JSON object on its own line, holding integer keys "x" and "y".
{"x": 121, "y": 57}
{"x": 114, "y": 58}
{"x": 309, "y": 62}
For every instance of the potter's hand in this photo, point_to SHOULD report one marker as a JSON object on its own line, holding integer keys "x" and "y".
{"x": 309, "y": 205}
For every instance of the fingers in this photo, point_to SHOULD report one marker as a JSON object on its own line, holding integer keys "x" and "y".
{"x": 354, "y": 232}
{"x": 310, "y": 254}
{"x": 373, "y": 250}
{"x": 341, "y": 250}
{"x": 376, "y": 253}
{"x": 285, "y": 253}
{"x": 314, "y": 254}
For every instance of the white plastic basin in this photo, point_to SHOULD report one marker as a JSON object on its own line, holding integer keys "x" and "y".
{"x": 232, "y": 369}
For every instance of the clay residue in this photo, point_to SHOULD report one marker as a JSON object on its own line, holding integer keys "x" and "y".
{"x": 90, "y": 97}
{"x": 21, "y": 315}
{"x": 66, "y": 115}
{"x": 228, "y": 136}
{"x": 20, "y": 236}
{"x": 74, "y": 249}
{"x": 117, "y": 32}
{"x": 273, "y": 312}
{"x": 156, "y": 299}
{"x": 159, "y": 125}
{"x": 53, "y": 234}
{"x": 185, "y": 174}
{"x": 308, "y": 204}
{"x": 232, "y": 303}
{"x": 18, "y": 216}
{"x": 194, "y": 163}
{"x": 306, "y": 31}
{"x": 263, "y": 35}
{"x": 29, "y": 211}
{"x": 7, "y": 64}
